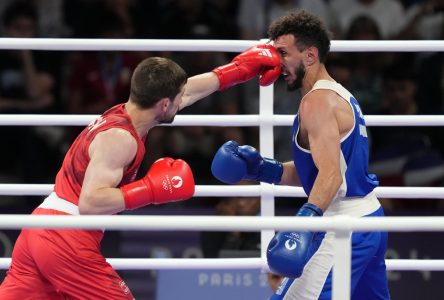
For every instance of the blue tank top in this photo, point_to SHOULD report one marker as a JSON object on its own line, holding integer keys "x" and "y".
{"x": 357, "y": 181}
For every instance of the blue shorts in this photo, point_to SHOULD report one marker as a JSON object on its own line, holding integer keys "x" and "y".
{"x": 369, "y": 279}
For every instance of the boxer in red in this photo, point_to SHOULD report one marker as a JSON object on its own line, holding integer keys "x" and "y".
{"x": 98, "y": 177}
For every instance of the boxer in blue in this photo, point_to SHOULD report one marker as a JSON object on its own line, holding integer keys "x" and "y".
{"x": 330, "y": 161}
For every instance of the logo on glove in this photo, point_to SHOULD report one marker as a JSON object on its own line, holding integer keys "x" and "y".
{"x": 176, "y": 181}
{"x": 265, "y": 52}
{"x": 124, "y": 287}
{"x": 290, "y": 245}
{"x": 293, "y": 239}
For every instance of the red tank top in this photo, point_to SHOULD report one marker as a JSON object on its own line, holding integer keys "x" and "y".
{"x": 70, "y": 177}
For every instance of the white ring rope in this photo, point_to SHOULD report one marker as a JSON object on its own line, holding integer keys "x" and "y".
{"x": 238, "y": 263}
{"x": 243, "y": 191}
{"x": 203, "y": 45}
{"x": 223, "y": 223}
{"x": 125, "y": 44}
{"x": 217, "y": 120}
{"x": 175, "y": 263}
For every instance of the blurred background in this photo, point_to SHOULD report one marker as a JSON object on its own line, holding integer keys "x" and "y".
{"x": 68, "y": 82}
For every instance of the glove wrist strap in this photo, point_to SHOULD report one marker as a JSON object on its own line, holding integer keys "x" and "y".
{"x": 310, "y": 210}
{"x": 137, "y": 194}
{"x": 228, "y": 75}
{"x": 272, "y": 171}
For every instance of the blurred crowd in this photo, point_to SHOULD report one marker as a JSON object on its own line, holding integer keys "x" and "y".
{"x": 74, "y": 82}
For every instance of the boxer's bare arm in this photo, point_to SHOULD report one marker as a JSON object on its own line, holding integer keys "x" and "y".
{"x": 243, "y": 67}
{"x": 110, "y": 152}
{"x": 199, "y": 87}
{"x": 318, "y": 117}
{"x": 290, "y": 175}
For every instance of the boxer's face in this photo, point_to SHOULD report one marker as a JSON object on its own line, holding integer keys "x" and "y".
{"x": 173, "y": 108}
{"x": 292, "y": 60}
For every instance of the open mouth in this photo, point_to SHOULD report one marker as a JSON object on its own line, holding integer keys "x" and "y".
{"x": 285, "y": 74}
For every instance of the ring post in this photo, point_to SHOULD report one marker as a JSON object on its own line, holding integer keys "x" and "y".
{"x": 341, "y": 260}
{"x": 266, "y": 146}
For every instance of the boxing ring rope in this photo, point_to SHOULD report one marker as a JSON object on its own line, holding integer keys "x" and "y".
{"x": 13, "y": 189}
{"x": 222, "y": 223}
{"x": 239, "y": 263}
{"x": 203, "y": 45}
{"x": 216, "y": 120}
{"x": 266, "y": 120}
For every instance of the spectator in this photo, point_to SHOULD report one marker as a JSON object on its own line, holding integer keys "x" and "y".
{"x": 26, "y": 86}
{"x": 215, "y": 242}
{"x": 399, "y": 98}
{"x": 253, "y": 20}
{"x": 431, "y": 87}
{"x": 255, "y": 16}
{"x": 339, "y": 65}
{"x": 425, "y": 20}
{"x": 404, "y": 156}
{"x": 49, "y": 13}
{"x": 98, "y": 79}
{"x": 188, "y": 19}
{"x": 388, "y": 14}
{"x": 228, "y": 9}
{"x": 365, "y": 82}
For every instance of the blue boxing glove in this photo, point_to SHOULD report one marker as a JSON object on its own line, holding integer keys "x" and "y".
{"x": 287, "y": 252}
{"x": 233, "y": 163}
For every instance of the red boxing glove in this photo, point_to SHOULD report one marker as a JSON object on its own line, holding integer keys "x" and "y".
{"x": 167, "y": 180}
{"x": 260, "y": 60}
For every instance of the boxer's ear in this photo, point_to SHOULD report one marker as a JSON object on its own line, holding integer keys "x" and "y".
{"x": 311, "y": 55}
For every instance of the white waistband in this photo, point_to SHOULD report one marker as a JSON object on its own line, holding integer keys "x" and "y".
{"x": 355, "y": 207}
{"x": 55, "y": 202}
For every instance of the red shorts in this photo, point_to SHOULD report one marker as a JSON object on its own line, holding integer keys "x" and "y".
{"x": 61, "y": 264}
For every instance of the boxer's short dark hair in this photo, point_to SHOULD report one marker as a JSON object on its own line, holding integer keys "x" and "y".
{"x": 156, "y": 78}
{"x": 308, "y": 30}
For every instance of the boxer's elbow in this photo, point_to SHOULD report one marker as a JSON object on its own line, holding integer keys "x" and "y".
{"x": 103, "y": 201}
{"x": 86, "y": 204}
{"x": 331, "y": 180}
{"x": 89, "y": 203}
{"x": 335, "y": 179}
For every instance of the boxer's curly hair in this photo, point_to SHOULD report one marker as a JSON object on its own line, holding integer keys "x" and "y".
{"x": 308, "y": 29}
{"x": 156, "y": 78}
